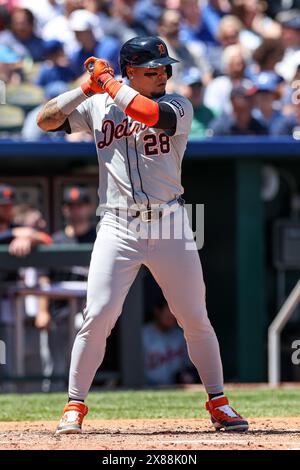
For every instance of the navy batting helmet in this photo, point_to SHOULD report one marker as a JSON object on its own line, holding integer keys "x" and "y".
{"x": 145, "y": 51}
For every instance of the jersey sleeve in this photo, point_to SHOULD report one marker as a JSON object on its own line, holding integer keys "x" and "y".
{"x": 184, "y": 112}
{"x": 80, "y": 119}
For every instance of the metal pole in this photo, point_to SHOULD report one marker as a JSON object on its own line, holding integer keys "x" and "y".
{"x": 19, "y": 336}
{"x": 274, "y": 331}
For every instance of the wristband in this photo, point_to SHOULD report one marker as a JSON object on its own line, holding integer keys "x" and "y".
{"x": 124, "y": 96}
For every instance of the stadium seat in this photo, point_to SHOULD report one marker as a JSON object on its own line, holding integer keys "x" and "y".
{"x": 25, "y": 95}
{"x": 11, "y": 118}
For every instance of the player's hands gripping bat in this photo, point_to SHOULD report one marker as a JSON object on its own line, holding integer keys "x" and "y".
{"x": 100, "y": 73}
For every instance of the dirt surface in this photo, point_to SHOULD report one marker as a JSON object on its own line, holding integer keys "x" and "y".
{"x": 165, "y": 434}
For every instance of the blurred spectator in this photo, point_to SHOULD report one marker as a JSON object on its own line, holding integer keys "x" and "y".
{"x": 43, "y": 10}
{"x": 240, "y": 121}
{"x": 256, "y": 24}
{"x": 192, "y": 88}
{"x": 212, "y": 13}
{"x": 290, "y": 22}
{"x": 266, "y": 99}
{"x": 229, "y": 30}
{"x": 199, "y": 25}
{"x": 20, "y": 239}
{"x": 30, "y": 129}
{"x": 217, "y": 93}
{"x": 148, "y": 12}
{"x": 165, "y": 353}
{"x": 26, "y": 215}
{"x": 228, "y": 34}
{"x": 168, "y": 30}
{"x": 267, "y": 55}
{"x": 57, "y": 66}
{"x": 83, "y": 24}
{"x": 201, "y": 22}
{"x": 21, "y": 37}
{"x": 291, "y": 92}
{"x": 11, "y": 4}
{"x": 98, "y": 6}
{"x": 123, "y": 24}
{"x": 4, "y": 18}
{"x": 276, "y": 6}
{"x": 54, "y": 316}
{"x": 290, "y": 124}
{"x": 109, "y": 26}
{"x": 10, "y": 66}
{"x": 59, "y": 26}
{"x": 29, "y": 216}
{"x": 7, "y": 198}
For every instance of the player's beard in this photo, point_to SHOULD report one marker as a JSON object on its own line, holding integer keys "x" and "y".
{"x": 157, "y": 95}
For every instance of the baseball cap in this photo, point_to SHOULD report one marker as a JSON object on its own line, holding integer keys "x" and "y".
{"x": 8, "y": 56}
{"x": 267, "y": 81}
{"x": 245, "y": 88}
{"x": 76, "y": 195}
{"x": 289, "y": 19}
{"x": 192, "y": 77}
{"x": 52, "y": 46}
{"x": 82, "y": 20}
{"x": 7, "y": 194}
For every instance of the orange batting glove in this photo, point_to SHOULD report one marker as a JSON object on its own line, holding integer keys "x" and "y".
{"x": 100, "y": 73}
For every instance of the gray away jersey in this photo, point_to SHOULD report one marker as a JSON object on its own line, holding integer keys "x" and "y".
{"x": 138, "y": 165}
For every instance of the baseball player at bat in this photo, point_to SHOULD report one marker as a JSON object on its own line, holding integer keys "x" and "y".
{"x": 140, "y": 134}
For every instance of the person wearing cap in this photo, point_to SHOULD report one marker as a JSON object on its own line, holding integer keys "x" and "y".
{"x": 192, "y": 88}
{"x": 240, "y": 121}
{"x": 84, "y": 25}
{"x": 53, "y": 316}
{"x": 77, "y": 211}
{"x": 266, "y": 99}
{"x": 57, "y": 65}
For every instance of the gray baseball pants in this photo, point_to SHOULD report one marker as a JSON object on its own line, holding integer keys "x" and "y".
{"x": 118, "y": 253}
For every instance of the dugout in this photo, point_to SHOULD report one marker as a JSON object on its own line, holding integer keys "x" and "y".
{"x": 229, "y": 177}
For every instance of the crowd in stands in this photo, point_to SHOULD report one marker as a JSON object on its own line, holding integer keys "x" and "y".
{"x": 239, "y": 59}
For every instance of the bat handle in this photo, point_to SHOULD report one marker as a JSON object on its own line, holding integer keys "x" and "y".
{"x": 90, "y": 67}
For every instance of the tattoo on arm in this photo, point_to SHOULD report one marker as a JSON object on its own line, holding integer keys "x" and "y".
{"x": 50, "y": 117}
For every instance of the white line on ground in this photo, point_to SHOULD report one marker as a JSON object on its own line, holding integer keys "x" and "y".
{"x": 206, "y": 441}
